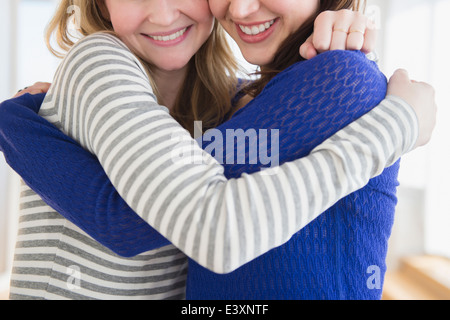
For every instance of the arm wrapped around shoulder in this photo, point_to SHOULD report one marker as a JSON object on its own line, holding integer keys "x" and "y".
{"x": 335, "y": 86}
{"x": 309, "y": 102}
{"x": 83, "y": 194}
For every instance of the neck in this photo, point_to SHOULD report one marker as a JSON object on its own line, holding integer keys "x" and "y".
{"x": 169, "y": 84}
{"x": 247, "y": 98}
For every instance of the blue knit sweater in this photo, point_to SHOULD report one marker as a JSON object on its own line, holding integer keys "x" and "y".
{"x": 340, "y": 255}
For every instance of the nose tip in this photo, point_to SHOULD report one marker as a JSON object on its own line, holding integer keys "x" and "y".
{"x": 240, "y": 9}
{"x": 163, "y": 13}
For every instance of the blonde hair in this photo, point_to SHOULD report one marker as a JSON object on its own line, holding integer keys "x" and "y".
{"x": 210, "y": 81}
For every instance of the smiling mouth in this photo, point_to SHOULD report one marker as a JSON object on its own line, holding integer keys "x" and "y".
{"x": 169, "y": 37}
{"x": 255, "y": 30}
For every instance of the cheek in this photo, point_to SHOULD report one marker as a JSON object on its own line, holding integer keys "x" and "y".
{"x": 218, "y": 8}
{"x": 124, "y": 24}
{"x": 203, "y": 13}
{"x": 296, "y": 12}
{"x": 308, "y": 9}
{"x": 203, "y": 17}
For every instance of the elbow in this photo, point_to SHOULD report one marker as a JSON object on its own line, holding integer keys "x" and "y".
{"x": 125, "y": 253}
{"x": 225, "y": 268}
{"x": 222, "y": 270}
{"x": 6, "y": 118}
{"x": 3, "y": 114}
{"x": 14, "y": 112}
{"x": 226, "y": 264}
{"x": 123, "y": 250}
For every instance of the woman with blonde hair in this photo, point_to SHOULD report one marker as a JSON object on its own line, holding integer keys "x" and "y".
{"x": 101, "y": 98}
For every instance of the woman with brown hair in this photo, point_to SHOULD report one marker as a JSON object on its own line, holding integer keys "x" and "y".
{"x": 341, "y": 254}
{"x": 101, "y": 97}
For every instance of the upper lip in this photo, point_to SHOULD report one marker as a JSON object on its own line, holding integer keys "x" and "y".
{"x": 165, "y": 33}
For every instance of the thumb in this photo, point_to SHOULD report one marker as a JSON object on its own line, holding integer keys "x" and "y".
{"x": 401, "y": 75}
{"x": 307, "y": 49}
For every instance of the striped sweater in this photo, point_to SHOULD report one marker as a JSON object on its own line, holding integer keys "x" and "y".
{"x": 101, "y": 97}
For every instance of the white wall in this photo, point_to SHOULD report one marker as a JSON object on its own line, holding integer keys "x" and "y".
{"x": 6, "y": 56}
{"x": 414, "y": 36}
{"x": 22, "y": 24}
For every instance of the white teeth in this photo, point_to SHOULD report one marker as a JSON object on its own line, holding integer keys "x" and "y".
{"x": 254, "y": 30}
{"x": 170, "y": 36}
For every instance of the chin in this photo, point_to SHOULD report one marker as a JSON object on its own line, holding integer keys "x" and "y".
{"x": 260, "y": 55}
{"x": 172, "y": 64}
{"x": 257, "y": 59}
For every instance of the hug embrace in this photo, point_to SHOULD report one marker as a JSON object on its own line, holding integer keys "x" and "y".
{"x": 105, "y": 199}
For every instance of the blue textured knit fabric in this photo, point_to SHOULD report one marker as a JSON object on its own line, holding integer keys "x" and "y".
{"x": 332, "y": 258}
{"x": 340, "y": 255}
{"x": 79, "y": 189}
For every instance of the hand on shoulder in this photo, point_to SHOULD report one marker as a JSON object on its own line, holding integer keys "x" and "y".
{"x": 421, "y": 97}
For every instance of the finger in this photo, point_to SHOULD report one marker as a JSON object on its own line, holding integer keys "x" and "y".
{"x": 39, "y": 83}
{"x": 355, "y": 40}
{"x": 340, "y": 35}
{"x": 357, "y": 33}
{"x": 39, "y": 87}
{"x": 401, "y": 75}
{"x": 323, "y": 31}
{"x": 42, "y": 85}
{"x": 304, "y": 47}
{"x": 343, "y": 21}
{"x": 311, "y": 52}
{"x": 307, "y": 49}
{"x": 339, "y": 39}
{"x": 36, "y": 91}
{"x": 21, "y": 92}
{"x": 370, "y": 38}
{"x": 18, "y": 94}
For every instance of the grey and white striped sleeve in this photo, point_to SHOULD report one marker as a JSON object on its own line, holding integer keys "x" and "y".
{"x": 222, "y": 224}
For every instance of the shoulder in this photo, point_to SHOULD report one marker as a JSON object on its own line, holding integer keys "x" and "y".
{"x": 335, "y": 67}
{"x": 345, "y": 62}
{"x": 336, "y": 59}
{"x": 99, "y": 40}
{"x": 343, "y": 55}
{"x": 347, "y": 59}
{"x": 103, "y": 48}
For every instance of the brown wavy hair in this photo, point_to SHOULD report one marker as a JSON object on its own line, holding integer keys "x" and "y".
{"x": 288, "y": 54}
{"x": 210, "y": 81}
